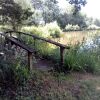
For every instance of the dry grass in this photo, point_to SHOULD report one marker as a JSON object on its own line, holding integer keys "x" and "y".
{"x": 76, "y": 36}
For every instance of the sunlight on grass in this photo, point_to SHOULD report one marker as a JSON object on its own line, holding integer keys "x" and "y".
{"x": 76, "y": 36}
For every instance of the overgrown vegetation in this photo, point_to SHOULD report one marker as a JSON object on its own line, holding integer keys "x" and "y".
{"x": 72, "y": 28}
{"x": 83, "y": 56}
{"x": 44, "y": 18}
{"x": 54, "y": 86}
{"x": 12, "y": 75}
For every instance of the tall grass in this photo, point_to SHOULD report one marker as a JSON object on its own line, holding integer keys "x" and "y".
{"x": 84, "y": 57}
{"x": 75, "y": 59}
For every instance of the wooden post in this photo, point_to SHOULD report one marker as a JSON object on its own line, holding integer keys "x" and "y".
{"x": 61, "y": 56}
{"x": 10, "y": 34}
{"x": 34, "y": 42}
{"x": 1, "y": 42}
{"x": 5, "y": 41}
{"x": 30, "y": 63}
{"x": 9, "y": 45}
{"x": 19, "y": 35}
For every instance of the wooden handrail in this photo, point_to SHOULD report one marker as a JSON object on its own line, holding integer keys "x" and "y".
{"x": 41, "y": 38}
{"x": 62, "y": 47}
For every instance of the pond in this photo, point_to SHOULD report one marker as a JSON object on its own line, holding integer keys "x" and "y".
{"x": 91, "y": 44}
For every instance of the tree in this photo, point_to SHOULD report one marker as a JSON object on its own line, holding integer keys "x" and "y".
{"x": 68, "y": 18}
{"x": 48, "y": 9}
{"x": 77, "y": 4}
{"x": 12, "y": 13}
{"x": 72, "y": 15}
{"x": 37, "y": 4}
{"x": 37, "y": 17}
{"x": 97, "y": 22}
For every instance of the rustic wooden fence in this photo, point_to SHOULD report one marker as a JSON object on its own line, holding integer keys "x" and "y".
{"x": 61, "y": 46}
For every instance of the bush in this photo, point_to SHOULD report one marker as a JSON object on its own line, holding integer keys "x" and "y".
{"x": 71, "y": 27}
{"x": 11, "y": 75}
{"x": 4, "y": 28}
{"x": 33, "y": 30}
{"x": 53, "y": 30}
{"x": 55, "y": 34}
{"x": 92, "y": 27}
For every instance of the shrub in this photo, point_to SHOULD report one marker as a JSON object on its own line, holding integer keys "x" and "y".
{"x": 44, "y": 49}
{"x": 4, "y": 28}
{"x": 53, "y": 30}
{"x": 11, "y": 75}
{"x": 55, "y": 34}
{"x": 71, "y": 27}
{"x": 33, "y": 30}
{"x": 92, "y": 27}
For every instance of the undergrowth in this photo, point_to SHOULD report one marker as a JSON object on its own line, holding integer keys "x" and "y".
{"x": 80, "y": 57}
{"x": 12, "y": 75}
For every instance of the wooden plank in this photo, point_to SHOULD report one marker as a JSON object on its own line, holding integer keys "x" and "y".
{"x": 18, "y": 43}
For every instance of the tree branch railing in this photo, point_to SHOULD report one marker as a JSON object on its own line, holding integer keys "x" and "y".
{"x": 2, "y": 36}
{"x": 61, "y": 46}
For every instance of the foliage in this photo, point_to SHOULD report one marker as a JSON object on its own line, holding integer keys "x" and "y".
{"x": 46, "y": 11}
{"x": 77, "y": 19}
{"x": 50, "y": 11}
{"x": 55, "y": 86}
{"x": 83, "y": 58}
{"x": 42, "y": 85}
{"x": 97, "y": 22}
{"x": 72, "y": 28}
{"x": 53, "y": 30}
{"x": 12, "y": 13}
{"x": 11, "y": 75}
{"x": 49, "y": 30}
{"x": 44, "y": 49}
{"x": 4, "y": 28}
{"x": 92, "y": 27}
{"x": 33, "y": 30}
{"x": 25, "y": 4}
{"x": 77, "y": 4}
{"x": 74, "y": 59}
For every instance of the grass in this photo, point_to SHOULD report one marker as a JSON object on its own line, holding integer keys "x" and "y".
{"x": 43, "y": 85}
{"x": 54, "y": 86}
{"x": 60, "y": 86}
{"x": 74, "y": 60}
{"x": 74, "y": 37}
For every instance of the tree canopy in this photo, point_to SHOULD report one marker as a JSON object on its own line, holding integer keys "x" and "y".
{"x": 77, "y": 4}
{"x": 48, "y": 9}
{"x": 16, "y": 12}
{"x": 13, "y": 13}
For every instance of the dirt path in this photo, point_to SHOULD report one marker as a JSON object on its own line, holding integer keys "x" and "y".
{"x": 43, "y": 64}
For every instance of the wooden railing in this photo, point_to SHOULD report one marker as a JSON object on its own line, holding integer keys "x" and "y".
{"x": 61, "y": 46}
{"x": 2, "y": 36}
